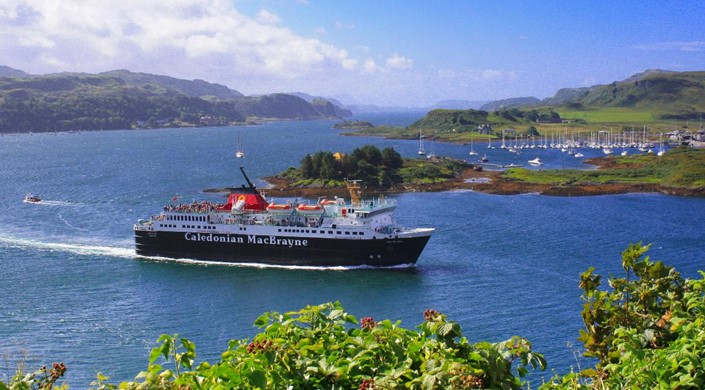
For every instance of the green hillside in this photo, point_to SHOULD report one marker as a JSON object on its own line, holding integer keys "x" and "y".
{"x": 670, "y": 95}
{"x": 122, "y": 99}
{"x": 469, "y": 120}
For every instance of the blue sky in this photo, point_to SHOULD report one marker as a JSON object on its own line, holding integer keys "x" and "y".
{"x": 388, "y": 53}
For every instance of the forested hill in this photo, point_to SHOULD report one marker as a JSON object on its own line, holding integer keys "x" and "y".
{"x": 122, "y": 99}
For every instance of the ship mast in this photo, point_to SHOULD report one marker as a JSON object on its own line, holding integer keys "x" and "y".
{"x": 353, "y": 187}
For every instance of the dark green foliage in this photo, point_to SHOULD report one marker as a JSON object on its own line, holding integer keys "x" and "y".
{"x": 645, "y": 329}
{"x": 375, "y": 168}
{"x": 391, "y": 158}
{"x": 324, "y": 347}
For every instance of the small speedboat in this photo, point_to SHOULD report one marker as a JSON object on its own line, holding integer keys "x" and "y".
{"x": 536, "y": 161}
{"x": 29, "y": 198}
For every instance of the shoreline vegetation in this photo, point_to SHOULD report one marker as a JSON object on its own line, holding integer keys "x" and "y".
{"x": 680, "y": 171}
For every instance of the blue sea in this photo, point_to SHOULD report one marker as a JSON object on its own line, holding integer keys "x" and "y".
{"x": 73, "y": 291}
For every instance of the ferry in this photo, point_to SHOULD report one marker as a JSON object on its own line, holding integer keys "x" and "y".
{"x": 248, "y": 229}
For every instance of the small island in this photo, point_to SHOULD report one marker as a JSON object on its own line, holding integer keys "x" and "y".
{"x": 680, "y": 171}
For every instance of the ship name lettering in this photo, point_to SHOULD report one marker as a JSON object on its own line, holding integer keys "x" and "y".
{"x": 213, "y": 238}
{"x": 274, "y": 240}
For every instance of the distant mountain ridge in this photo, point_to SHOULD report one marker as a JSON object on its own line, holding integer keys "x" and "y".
{"x": 122, "y": 99}
{"x": 197, "y": 88}
{"x": 669, "y": 94}
{"x": 511, "y": 103}
{"x": 6, "y": 71}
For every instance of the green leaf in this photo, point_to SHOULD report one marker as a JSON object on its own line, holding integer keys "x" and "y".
{"x": 258, "y": 378}
{"x": 262, "y": 320}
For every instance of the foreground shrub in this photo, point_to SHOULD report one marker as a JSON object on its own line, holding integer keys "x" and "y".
{"x": 323, "y": 347}
{"x": 646, "y": 331}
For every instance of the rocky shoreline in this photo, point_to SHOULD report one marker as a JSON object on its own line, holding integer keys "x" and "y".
{"x": 489, "y": 182}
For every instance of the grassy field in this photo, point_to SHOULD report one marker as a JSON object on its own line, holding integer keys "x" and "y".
{"x": 679, "y": 168}
{"x": 610, "y": 115}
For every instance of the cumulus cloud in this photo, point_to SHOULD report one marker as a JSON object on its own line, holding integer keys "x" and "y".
{"x": 398, "y": 62}
{"x": 393, "y": 63}
{"x": 267, "y": 17}
{"x": 183, "y": 38}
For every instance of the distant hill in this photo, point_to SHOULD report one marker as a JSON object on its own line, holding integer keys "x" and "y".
{"x": 458, "y": 105}
{"x": 565, "y": 96}
{"x": 121, "y": 99}
{"x": 668, "y": 94}
{"x": 195, "y": 88}
{"x": 511, "y": 103}
{"x": 469, "y": 120}
{"x": 324, "y": 104}
{"x": 6, "y": 71}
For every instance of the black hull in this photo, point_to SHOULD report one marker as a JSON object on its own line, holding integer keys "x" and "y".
{"x": 287, "y": 251}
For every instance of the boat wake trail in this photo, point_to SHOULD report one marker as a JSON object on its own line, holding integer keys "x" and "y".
{"x": 272, "y": 266}
{"x": 53, "y": 203}
{"x": 61, "y": 217}
{"x": 79, "y": 249}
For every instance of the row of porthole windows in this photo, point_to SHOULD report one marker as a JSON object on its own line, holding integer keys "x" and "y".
{"x": 168, "y": 225}
{"x": 322, "y": 231}
{"x": 190, "y": 218}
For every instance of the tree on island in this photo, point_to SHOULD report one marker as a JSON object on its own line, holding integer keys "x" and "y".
{"x": 373, "y": 167}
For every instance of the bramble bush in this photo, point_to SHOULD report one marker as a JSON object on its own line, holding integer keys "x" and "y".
{"x": 645, "y": 331}
{"x": 324, "y": 347}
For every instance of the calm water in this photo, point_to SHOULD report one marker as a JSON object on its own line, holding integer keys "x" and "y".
{"x": 73, "y": 291}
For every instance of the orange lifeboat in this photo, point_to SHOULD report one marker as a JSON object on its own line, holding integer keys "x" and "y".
{"x": 278, "y": 207}
{"x": 309, "y": 208}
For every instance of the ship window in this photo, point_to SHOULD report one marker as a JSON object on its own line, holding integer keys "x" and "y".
{"x": 362, "y": 233}
{"x": 347, "y": 233}
{"x": 339, "y": 232}
{"x": 330, "y": 232}
{"x": 279, "y": 230}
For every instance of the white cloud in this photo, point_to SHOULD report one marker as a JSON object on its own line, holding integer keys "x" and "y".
{"x": 398, "y": 62}
{"x": 370, "y": 66}
{"x": 393, "y": 63}
{"x": 267, "y": 17}
{"x": 190, "y": 38}
{"x": 211, "y": 40}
